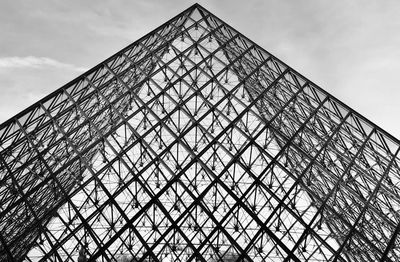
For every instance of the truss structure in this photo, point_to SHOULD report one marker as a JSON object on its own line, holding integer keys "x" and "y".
{"x": 195, "y": 144}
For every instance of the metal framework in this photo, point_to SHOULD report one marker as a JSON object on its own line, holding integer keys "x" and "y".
{"x": 195, "y": 144}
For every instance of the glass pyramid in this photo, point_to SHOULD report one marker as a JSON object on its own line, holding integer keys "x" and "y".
{"x": 195, "y": 144}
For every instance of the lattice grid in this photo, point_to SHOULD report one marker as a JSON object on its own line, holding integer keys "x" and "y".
{"x": 195, "y": 144}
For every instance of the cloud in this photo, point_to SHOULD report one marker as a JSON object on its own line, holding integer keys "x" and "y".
{"x": 35, "y": 62}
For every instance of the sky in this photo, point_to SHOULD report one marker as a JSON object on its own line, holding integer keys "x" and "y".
{"x": 350, "y": 48}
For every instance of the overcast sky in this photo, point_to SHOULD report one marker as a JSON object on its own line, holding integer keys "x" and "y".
{"x": 351, "y": 48}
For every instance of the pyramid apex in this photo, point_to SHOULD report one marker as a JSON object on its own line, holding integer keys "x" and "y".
{"x": 197, "y": 6}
